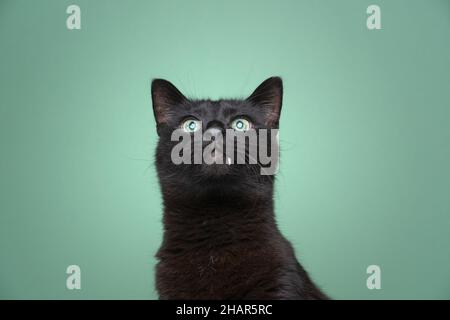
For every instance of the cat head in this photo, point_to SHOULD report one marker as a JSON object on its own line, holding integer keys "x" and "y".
{"x": 197, "y": 119}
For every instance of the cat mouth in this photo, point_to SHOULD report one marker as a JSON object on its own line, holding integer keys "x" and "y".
{"x": 217, "y": 164}
{"x": 217, "y": 158}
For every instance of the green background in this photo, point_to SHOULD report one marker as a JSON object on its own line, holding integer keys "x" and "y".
{"x": 364, "y": 175}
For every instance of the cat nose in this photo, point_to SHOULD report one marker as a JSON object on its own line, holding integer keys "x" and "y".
{"x": 213, "y": 132}
{"x": 215, "y": 124}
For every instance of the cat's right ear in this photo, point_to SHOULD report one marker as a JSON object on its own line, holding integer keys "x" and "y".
{"x": 165, "y": 97}
{"x": 269, "y": 96}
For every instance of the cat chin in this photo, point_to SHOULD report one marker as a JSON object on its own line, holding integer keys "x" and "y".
{"x": 215, "y": 170}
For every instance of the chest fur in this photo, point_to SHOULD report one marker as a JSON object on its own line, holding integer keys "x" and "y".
{"x": 224, "y": 273}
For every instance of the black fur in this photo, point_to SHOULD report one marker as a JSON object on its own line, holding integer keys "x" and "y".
{"x": 221, "y": 240}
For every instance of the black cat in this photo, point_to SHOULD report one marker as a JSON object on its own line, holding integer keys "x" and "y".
{"x": 221, "y": 240}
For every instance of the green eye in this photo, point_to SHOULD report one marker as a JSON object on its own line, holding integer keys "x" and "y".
{"x": 240, "y": 124}
{"x": 191, "y": 125}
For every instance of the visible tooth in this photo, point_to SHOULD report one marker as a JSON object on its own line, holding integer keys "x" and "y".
{"x": 228, "y": 160}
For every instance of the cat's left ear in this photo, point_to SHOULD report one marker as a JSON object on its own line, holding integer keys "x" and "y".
{"x": 269, "y": 95}
{"x": 165, "y": 97}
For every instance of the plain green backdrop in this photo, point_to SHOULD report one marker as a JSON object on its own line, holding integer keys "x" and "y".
{"x": 365, "y": 133}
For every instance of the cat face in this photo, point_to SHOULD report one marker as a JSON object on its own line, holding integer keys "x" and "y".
{"x": 197, "y": 119}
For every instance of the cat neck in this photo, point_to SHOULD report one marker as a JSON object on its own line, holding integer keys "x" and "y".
{"x": 218, "y": 200}
{"x": 218, "y": 218}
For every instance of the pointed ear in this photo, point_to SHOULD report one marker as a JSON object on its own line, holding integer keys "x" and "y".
{"x": 165, "y": 97}
{"x": 269, "y": 95}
